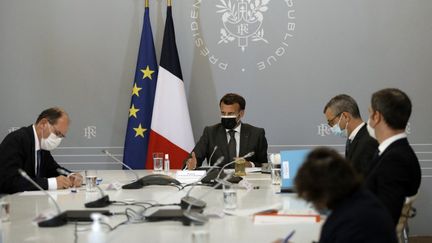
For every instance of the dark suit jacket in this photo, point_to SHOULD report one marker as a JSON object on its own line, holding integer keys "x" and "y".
{"x": 361, "y": 150}
{"x": 359, "y": 218}
{"x": 18, "y": 151}
{"x": 251, "y": 139}
{"x": 396, "y": 175}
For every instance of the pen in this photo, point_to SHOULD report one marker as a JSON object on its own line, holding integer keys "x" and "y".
{"x": 289, "y": 236}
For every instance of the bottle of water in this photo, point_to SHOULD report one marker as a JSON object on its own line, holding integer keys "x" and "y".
{"x": 167, "y": 164}
{"x": 97, "y": 234}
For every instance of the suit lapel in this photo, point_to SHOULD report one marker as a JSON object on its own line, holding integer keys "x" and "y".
{"x": 354, "y": 142}
{"x": 30, "y": 134}
{"x": 222, "y": 142}
{"x": 244, "y": 137}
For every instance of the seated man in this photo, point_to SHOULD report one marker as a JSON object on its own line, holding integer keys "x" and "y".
{"x": 230, "y": 138}
{"x": 28, "y": 148}
{"x": 395, "y": 173}
{"x": 343, "y": 116}
{"x": 334, "y": 188}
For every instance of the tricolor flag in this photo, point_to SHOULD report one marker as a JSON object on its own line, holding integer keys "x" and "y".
{"x": 171, "y": 130}
{"x": 143, "y": 93}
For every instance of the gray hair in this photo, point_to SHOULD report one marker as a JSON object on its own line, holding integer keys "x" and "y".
{"x": 343, "y": 103}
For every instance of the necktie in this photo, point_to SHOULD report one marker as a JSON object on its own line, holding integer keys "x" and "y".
{"x": 347, "y": 145}
{"x": 38, "y": 159}
{"x": 232, "y": 145}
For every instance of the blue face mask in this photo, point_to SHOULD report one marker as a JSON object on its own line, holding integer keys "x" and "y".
{"x": 337, "y": 131}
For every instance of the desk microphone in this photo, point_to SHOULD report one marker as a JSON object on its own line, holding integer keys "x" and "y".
{"x": 232, "y": 162}
{"x": 211, "y": 155}
{"x": 197, "y": 217}
{"x": 101, "y": 202}
{"x": 136, "y": 184}
{"x": 58, "y": 220}
{"x": 189, "y": 201}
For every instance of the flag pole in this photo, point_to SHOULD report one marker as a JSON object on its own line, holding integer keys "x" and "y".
{"x": 169, "y": 3}
{"x": 146, "y": 3}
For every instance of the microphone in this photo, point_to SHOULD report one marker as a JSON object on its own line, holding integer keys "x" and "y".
{"x": 211, "y": 155}
{"x": 99, "y": 203}
{"x": 58, "y": 220}
{"x": 189, "y": 201}
{"x": 232, "y": 162}
{"x": 197, "y": 217}
{"x": 136, "y": 184}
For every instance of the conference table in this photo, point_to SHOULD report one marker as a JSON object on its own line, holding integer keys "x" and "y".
{"x": 230, "y": 226}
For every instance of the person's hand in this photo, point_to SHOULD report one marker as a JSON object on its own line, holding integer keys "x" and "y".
{"x": 278, "y": 241}
{"x": 63, "y": 182}
{"x": 248, "y": 164}
{"x": 76, "y": 179}
{"x": 192, "y": 162}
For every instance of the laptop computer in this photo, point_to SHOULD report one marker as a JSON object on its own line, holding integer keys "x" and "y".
{"x": 291, "y": 160}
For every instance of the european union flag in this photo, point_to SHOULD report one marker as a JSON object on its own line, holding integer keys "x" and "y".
{"x": 143, "y": 93}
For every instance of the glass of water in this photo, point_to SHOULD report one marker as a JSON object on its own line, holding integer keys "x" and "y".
{"x": 91, "y": 178}
{"x": 229, "y": 196}
{"x": 158, "y": 162}
{"x": 276, "y": 176}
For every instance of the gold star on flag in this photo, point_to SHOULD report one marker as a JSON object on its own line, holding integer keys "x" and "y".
{"x": 147, "y": 72}
{"x": 133, "y": 111}
{"x": 135, "y": 90}
{"x": 139, "y": 131}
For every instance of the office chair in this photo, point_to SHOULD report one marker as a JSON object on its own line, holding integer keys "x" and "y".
{"x": 408, "y": 211}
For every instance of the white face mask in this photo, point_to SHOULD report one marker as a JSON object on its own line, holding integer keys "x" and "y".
{"x": 371, "y": 130}
{"x": 51, "y": 142}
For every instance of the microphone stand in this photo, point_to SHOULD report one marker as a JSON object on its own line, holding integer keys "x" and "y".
{"x": 58, "y": 220}
{"x": 197, "y": 217}
{"x": 137, "y": 183}
{"x": 189, "y": 201}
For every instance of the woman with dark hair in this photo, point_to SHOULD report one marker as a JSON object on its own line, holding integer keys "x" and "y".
{"x": 330, "y": 183}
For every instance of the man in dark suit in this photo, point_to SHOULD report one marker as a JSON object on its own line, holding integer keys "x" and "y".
{"x": 343, "y": 117}
{"x": 335, "y": 189}
{"x": 396, "y": 172}
{"x": 28, "y": 148}
{"x": 230, "y": 138}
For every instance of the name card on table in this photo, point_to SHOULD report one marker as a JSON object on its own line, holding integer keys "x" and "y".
{"x": 189, "y": 176}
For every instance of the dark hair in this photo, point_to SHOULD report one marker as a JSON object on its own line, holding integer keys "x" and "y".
{"x": 394, "y": 105}
{"x": 51, "y": 114}
{"x": 231, "y": 99}
{"x": 343, "y": 103}
{"x": 326, "y": 177}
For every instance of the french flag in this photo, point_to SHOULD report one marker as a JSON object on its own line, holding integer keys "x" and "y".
{"x": 171, "y": 130}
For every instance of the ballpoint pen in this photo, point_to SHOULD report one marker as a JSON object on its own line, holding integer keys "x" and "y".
{"x": 288, "y": 236}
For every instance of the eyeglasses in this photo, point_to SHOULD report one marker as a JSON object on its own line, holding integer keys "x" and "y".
{"x": 330, "y": 122}
{"x": 57, "y": 132}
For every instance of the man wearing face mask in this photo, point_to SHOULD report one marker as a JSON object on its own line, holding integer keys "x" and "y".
{"x": 334, "y": 188}
{"x": 396, "y": 172}
{"x": 230, "y": 138}
{"x": 29, "y": 149}
{"x": 343, "y": 117}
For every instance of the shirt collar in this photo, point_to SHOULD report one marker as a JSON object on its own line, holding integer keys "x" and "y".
{"x": 384, "y": 145}
{"x": 37, "y": 145}
{"x": 355, "y": 131}
{"x": 237, "y": 129}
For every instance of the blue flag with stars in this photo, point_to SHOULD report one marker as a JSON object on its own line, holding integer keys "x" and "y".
{"x": 143, "y": 93}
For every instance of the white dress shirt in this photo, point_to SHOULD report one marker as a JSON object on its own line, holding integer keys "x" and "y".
{"x": 355, "y": 131}
{"x": 384, "y": 145}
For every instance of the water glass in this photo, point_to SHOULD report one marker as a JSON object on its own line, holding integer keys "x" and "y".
{"x": 229, "y": 196}
{"x": 276, "y": 176}
{"x": 91, "y": 180}
{"x": 4, "y": 211}
{"x": 158, "y": 159}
